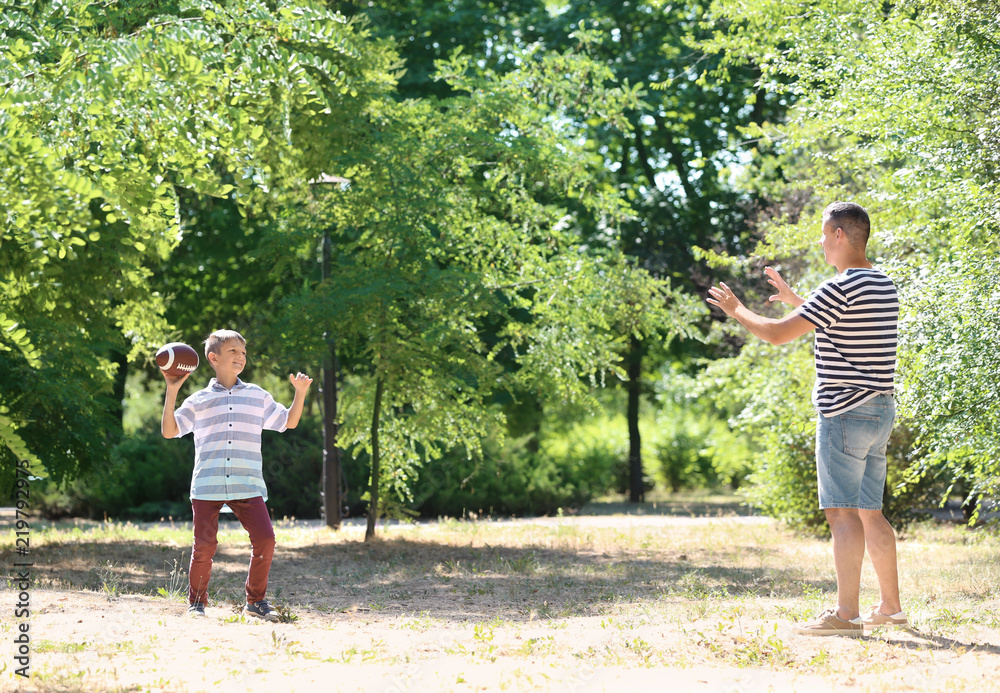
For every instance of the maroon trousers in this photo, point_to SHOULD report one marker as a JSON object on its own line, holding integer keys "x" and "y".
{"x": 252, "y": 514}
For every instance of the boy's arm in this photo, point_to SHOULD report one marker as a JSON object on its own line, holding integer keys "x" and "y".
{"x": 301, "y": 383}
{"x": 168, "y": 424}
{"x": 775, "y": 331}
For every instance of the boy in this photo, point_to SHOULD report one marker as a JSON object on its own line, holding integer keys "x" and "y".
{"x": 227, "y": 418}
{"x": 855, "y": 316}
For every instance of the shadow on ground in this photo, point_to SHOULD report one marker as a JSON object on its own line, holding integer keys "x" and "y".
{"x": 542, "y": 576}
{"x": 679, "y": 506}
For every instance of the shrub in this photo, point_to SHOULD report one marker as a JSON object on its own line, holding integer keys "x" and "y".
{"x": 770, "y": 389}
{"x": 509, "y": 480}
{"x": 149, "y": 477}
{"x": 697, "y": 449}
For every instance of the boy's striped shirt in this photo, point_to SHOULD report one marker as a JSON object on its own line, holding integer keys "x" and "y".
{"x": 227, "y": 427}
{"x": 856, "y": 315}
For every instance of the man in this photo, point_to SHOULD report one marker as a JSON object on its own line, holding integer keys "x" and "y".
{"x": 855, "y": 315}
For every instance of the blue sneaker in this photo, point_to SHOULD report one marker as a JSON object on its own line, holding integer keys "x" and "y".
{"x": 196, "y": 610}
{"x": 262, "y": 610}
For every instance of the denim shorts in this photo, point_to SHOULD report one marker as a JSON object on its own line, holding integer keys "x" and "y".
{"x": 850, "y": 455}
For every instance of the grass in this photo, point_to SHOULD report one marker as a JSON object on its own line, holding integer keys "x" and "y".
{"x": 522, "y": 605}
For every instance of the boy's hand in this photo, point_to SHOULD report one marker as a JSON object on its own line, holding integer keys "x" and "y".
{"x": 168, "y": 424}
{"x": 174, "y": 382}
{"x": 724, "y": 297}
{"x": 300, "y": 381}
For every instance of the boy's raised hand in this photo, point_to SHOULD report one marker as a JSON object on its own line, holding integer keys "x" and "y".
{"x": 300, "y": 381}
{"x": 174, "y": 382}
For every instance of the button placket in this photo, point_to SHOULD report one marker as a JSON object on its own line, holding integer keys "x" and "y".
{"x": 229, "y": 449}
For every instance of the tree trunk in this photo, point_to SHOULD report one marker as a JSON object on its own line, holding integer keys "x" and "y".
{"x": 373, "y": 492}
{"x": 121, "y": 375}
{"x": 332, "y": 501}
{"x": 970, "y": 503}
{"x": 636, "y": 488}
{"x": 330, "y": 485}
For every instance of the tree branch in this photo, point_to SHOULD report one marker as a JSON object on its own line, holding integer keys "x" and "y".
{"x": 81, "y": 56}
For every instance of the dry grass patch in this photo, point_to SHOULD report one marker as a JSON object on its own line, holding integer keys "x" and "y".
{"x": 581, "y": 603}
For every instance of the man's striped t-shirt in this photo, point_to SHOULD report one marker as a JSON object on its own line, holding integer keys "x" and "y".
{"x": 227, "y": 427}
{"x": 856, "y": 315}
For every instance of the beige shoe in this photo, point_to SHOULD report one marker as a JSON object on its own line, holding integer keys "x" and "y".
{"x": 828, "y": 623}
{"x": 876, "y": 619}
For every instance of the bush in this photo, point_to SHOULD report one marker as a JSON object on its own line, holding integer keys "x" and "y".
{"x": 509, "y": 480}
{"x": 598, "y": 442}
{"x": 293, "y": 470}
{"x": 149, "y": 477}
{"x": 697, "y": 449}
{"x": 581, "y": 457}
{"x": 770, "y": 389}
{"x": 143, "y": 470}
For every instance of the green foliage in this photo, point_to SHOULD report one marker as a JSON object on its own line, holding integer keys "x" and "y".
{"x": 509, "y": 479}
{"x": 99, "y": 129}
{"x": 455, "y": 269}
{"x": 597, "y": 441}
{"x": 293, "y": 463}
{"x": 951, "y": 356}
{"x": 895, "y": 108}
{"x": 583, "y": 455}
{"x": 670, "y": 167}
{"x": 698, "y": 450}
{"x": 148, "y": 478}
{"x": 769, "y": 389}
{"x": 145, "y": 477}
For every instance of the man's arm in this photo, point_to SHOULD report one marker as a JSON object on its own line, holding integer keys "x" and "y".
{"x": 773, "y": 330}
{"x": 301, "y": 383}
{"x": 168, "y": 424}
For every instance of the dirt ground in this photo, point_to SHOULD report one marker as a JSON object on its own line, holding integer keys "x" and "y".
{"x": 434, "y": 618}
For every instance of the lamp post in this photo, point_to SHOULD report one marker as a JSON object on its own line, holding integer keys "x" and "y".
{"x": 330, "y": 485}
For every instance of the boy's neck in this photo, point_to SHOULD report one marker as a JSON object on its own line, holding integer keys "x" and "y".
{"x": 228, "y": 382}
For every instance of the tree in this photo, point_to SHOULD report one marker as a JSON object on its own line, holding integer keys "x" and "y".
{"x": 878, "y": 120}
{"x": 107, "y": 112}
{"x": 671, "y": 166}
{"x": 451, "y": 222}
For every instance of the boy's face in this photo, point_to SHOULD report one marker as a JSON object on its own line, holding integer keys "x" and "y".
{"x": 231, "y": 359}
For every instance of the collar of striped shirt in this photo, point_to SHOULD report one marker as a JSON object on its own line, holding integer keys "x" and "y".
{"x": 215, "y": 385}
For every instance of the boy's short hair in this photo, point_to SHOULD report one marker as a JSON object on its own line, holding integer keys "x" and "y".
{"x": 853, "y": 219}
{"x": 215, "y": 340}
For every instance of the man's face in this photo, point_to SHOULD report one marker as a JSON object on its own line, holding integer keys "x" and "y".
{"x": 827, "y": 239}
{"x": 231, "y": 359}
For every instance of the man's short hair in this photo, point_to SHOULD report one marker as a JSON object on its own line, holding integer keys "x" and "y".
{"x": 215, "y": 340}
{"x": 853, "y": 219}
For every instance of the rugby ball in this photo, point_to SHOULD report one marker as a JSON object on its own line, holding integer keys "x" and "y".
{"x": 176, "y": 359}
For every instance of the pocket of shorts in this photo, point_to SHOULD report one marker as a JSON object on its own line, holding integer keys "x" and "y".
{"x": 860, "y": 434}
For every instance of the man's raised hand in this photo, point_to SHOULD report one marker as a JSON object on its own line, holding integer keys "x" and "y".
{"x": 785, "y": 293}
{"x": 723, "y": 297}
